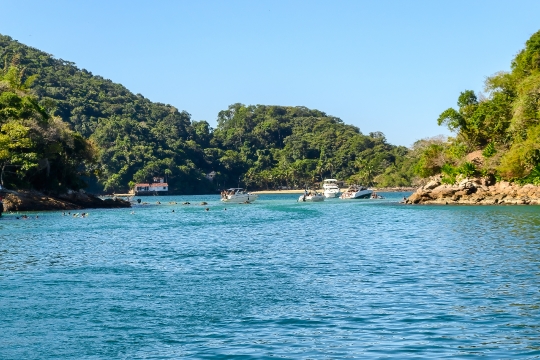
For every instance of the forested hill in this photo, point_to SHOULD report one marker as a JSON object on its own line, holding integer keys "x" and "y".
{"x": 497, "y": 132}
{"x": 81, "y": 98}
{"x": 131, "y": 139}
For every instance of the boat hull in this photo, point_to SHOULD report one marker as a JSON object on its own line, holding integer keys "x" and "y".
{"x": 362, "y": 194}
{"x": 240, "y": 199}
{"x": 331, "y": 194}
{"x": 316, "y": 198}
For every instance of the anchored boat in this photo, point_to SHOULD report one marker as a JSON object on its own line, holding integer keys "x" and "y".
{"x": 238, "y": 196}
{"x": 311, "y": 196}
{"x": 356, "y": 192}
{"x": 331, "y": 188}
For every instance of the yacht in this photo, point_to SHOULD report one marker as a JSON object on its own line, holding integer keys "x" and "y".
{"x": 356, "y": 192}
{"x": 311, "y": 196}
{"x": 331, "y": 188}
{"x": 238, "y": 196}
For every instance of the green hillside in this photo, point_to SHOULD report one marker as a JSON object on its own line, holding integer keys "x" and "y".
{"x": 497, "y": 133}
{"x": 127, "y": 138}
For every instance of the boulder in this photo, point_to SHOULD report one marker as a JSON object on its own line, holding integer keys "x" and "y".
{"x": 466, "y": 184}
{"x": 443, "y": 191}
{"x": 419, "y": 196}
{"x": 432, "y": 184}
{"x": 488, "y": 180}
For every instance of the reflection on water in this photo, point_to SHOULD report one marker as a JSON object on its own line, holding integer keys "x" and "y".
{"x": 339, "y": 279}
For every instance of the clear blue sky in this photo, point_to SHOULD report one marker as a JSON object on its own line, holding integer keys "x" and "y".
{"x": 390, "y": 66}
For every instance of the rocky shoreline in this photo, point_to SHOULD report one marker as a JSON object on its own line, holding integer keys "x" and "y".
{"x": 475, "y": 191}
{"x": 72, "y": 200}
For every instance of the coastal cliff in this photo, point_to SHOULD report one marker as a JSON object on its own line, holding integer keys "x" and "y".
{"x": 73, "y": 200}
{"x": 476, "y": 191}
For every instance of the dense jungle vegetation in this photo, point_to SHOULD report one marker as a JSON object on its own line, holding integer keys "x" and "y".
{"x": 64, "y": 128}
{"x": 497, "y": 133}
{"x": 37, "y": 150}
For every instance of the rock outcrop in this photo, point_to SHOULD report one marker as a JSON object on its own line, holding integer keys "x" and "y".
{"x": 475, "y": 191}
{"x": 73, "y": 200}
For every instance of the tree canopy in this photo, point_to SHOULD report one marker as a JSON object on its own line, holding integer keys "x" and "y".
{"x": 504, "y": 125}
{"x": 113, "y": 138}
{"x": 37, "y": 150}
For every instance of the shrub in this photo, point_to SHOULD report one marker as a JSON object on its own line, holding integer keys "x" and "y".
{"x": 430, "y": 161}
{"x": 468, "y": 169}
{"x": 522, "y": 157}
{"x": 489, "y": 150}
{"x": 532, "y": 178}
{"x": 449, "y": 174}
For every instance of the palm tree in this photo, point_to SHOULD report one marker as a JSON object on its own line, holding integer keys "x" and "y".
{"x": 367, "y": 170}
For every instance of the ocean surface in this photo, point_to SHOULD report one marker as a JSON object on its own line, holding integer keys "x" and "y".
{"x": 340, "y": 279}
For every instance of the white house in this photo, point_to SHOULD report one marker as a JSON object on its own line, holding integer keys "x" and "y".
{"x": 158, "y": 186}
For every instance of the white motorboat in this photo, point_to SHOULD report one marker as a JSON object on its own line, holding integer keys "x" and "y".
{"x": 331, "y": 188}
{"x": 312, "y": 196}
{"x": 356, "y": 192}
{"x": 238, "y": 196}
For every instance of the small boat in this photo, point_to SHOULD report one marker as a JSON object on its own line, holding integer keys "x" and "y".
{"x": 238, "y": 196}
{"x": 356, "y": 192}
{"x": 374, "y": 195}
{"x": 331, "y": 188}
{"x": 311, "y": 196}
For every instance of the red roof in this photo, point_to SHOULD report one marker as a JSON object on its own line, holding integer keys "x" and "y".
{"x": 142, "y": 184}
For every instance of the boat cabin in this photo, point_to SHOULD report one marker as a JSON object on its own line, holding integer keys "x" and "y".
{"x": 235, "y": 191}
{"x": 332, "y": 183}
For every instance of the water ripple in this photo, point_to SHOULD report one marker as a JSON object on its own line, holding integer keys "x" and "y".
{"x": 340, "y": 279}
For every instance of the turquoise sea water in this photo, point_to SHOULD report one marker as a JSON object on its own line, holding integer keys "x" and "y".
{"x": 275, "y": 279}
